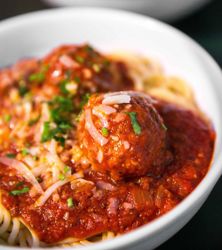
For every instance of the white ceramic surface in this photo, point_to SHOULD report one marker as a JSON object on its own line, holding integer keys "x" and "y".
{"x": 108, "y": 30}
{"x": 167, "y": 10}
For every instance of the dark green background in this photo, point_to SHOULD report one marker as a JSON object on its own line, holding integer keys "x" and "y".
{"x": 204, "y": 231}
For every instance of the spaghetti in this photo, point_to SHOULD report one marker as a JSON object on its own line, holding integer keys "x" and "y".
{"x": 79, "y": 164}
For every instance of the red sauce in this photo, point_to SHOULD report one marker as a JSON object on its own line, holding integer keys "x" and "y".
{"x": 130, "y": 203}
{"x": 103, "y": 204}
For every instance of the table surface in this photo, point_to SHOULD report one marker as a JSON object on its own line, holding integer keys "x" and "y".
{"x": 204, "y": 231}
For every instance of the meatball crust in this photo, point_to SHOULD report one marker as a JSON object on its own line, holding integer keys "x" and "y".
{"x": 122, "y": 134}
{"x": 92, "y": 71}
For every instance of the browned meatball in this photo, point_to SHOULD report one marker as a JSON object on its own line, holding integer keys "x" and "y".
{"x": 92, "y": 71}
{"x": 122, "y": 134}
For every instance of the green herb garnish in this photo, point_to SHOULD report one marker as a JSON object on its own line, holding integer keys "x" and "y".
{"x": 23, "y": 90}
{"x": 68, "y": 87}
{"x": 19, "y": 184}
{"x": 96, "y": 68}
{"x": 35, "y": 157}
{"x": 68, "y": 74}
{"x": 61, "y": 177}
{"x": 33, "y": 121}
{"x": 70, "y": 202}
{"x": 135, "y": 124}
{"x": 64, "y": 126}
{"x": 61, "y": 108}
{"x": 79, "y": 59}
{"x": 77, "y": 79}
{"x": 37, "y": 77}
{"x": 48, "y": 133}
{"x": 19, "y": 192}
{"x": 106, "y": 63}
{"x": 11, "y": 155}
{"x": 105, "y": 132}
{"x": 67, "y": 169}
{"x": 89, "y": 49}
{"x": 7, "y": 118}
{"x": 84, "y": 100}
{"x": 63, "y": 104}
{"x": 53, "y": 133}
{"x": 25, "y": 151}
{"x": 60, "y": 139}
{"x": 63, "y": 88}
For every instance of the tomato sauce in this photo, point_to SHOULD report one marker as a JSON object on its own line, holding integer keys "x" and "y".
{"x": 100, "y": 203}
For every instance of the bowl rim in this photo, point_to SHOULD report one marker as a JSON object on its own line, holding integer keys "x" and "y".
{"x": 210, "y": 178}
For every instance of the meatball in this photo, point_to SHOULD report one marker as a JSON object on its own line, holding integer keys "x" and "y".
{"x": 122, "y": 134}
{"x": 90, "y": 70}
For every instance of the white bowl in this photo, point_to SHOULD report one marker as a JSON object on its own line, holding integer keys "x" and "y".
{"x": 108, "y": 30}
{"x": 162, "y": 9}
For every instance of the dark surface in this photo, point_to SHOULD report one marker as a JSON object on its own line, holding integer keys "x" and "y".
{"x": 204, "y": 231}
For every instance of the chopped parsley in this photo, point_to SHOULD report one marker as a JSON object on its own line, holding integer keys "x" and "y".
{"x": 70, "y": 202}
{"x": 52, "y": 133}
{"x": 39, "y": 77}
{"x": 135, "y": 124}
{"x": 60, "y": 139}
{"x": 89, "y": 48}
{"x": 34, "y": 121}
{"x": 11, "y": 155}
{"x": 61, "y": 177}
{"x": 23, "y": 90}
{"x": 28, "y": 144}
{"x": 64, "y": 126}
{"x": 19, "y": 192}
{"x": 7, "y": 118}
{"x": 68, "y": 87}
{"x": 67, "y": 169}
{"x": 96, "y": 68}
{"x": 68, "y": 74}
{"x": 106, "y": 63}
{"x": 77, "y": 79}
{"x": 63, "y": 86}
{"x": 35, "y": 157}
{"x": 61, "y": 108}
{"x": 47, "y": 133}
{"x": 79, "y": 59}
{"x": 84, "y": 100}
{"x": 25, "y": 151}
{"x": 19, "y": 184}
{"x": 105, "y": 132}
{"x": 60, "y": 111}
